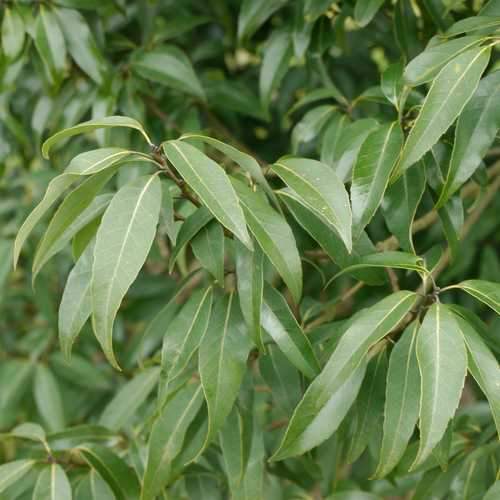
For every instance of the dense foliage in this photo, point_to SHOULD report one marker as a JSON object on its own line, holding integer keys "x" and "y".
{"x": 256, "y": 249}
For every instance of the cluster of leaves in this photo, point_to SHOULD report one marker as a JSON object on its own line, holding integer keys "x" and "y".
{"x": 230, "y": 326}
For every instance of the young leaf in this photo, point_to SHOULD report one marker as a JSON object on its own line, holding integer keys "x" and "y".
{"x": 376, "y": 160}
{"x": 281, "y": 325}
{"x": 365, "y": 10}
{"x": 369, "y": 327}
{"x": 319, "y": 189}
{"x": 211, "y": 184}
{"x": 274, "y": 236}
{"x": 52, "y": 483}
{"x": 449, "y": 93}
{"x": 222, "y": 362}
{"x": 487, "y": 292}
{"x": 208, "y": 248}
{"x": 167, "y": 437}
{"x": 12, "y": 33}
{"x": 402, "y": 400}
{"x": 48, "y": 399}
{"x": 122, "y": 244}
{"x": 442, "y": 361}
{"x": 11, "y": 472}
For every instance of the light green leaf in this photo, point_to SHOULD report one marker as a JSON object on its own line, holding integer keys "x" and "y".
{"x": 231, "y": 438}
{"x": 365, "y": 10}
{"x": 90, "y": 126}
{"x": 49, "y": 42}
{"x": 493, "y": 492}
{"x": 209, "y": 181}
{"x": 250, "y": 282}
{"x": 485, "y": 24}
{"x": 487, "y": 292}
{"x": 281, "y": 325}
{"x": 442, "y": 361}
{"x": 331, "y": 138}
{"x": 392, "y": 83}
{"x": 222, "y": 362}
{"x": 274, "y": 236}
{"x": 311, "y": 124}
{"x": 475, "y": 132}
{"x": 28, "y": 430}
{"x": 208, "y": 248}
{"x": 254, "y": 13}
{"x": 97, "y": 160}
{"x": 376, "y": 160}
{"x": 52, "y": 483}
{"x": 449, "y": 93}
{"x": 122, "y": 244}
{"x": 321, "y": 191}
{"x": 169, "y": 66}
{"x": 429, "y": 63}
{"x": 402, "y": 401}
{"x": 167, "y": 438}
{"x": 81, "y": 43}
{"x": 12, "y": 472}
{"x": 48, "y": 399}
{"x": 93, "y": 487}
{"x": 129, "y": 398}
{"x": 370, "y": 326}
{"x": 318, "y": 95}
{"x": 14, "y": 380}
{"x": 12, "y": 32}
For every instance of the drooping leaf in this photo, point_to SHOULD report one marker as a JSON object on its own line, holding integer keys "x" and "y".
{"x": 13, "y": 33}
{"x": 401, "y": 401}
{"x": 369, "y": 327}
{"x": 376, "y": 160}
{"x": 122, "y": 244}
{"x": 12, "y": 472}
{"x": 274, "y": 236}
{"x": 321, "y": 191}
{"x": 487, "y": 292}
{"x": 48, "y": 398}
{"x": 442, "y": 361}
{"x": 449, "y": 93}
{"x": 253, "y": 13}
{"x": 365, "y": 10}
{"x": 211, "y": 184}
{"x": 208, "y": 248}
{"x": 52, "y": 483}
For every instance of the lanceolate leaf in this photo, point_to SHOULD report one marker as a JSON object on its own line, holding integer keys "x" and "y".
{"x": 12, "y": 32}
{"x": 442, "y": 361}
{"x": 475, "y": 132}
{"x": 483, "y": 366}
{"x": 208, "y": 248}
{"x": 487, "y": 292}
{"x": 368, "y": 328}
{"x": 402, "y": 400}
{"x": 167, "y": 438}
{"x": 48, "y": 399}
{"x": 274, "y": 236}
{"x": 222, "y": 362}
{"x": 484, "y": 24}
{"x": 12, "y": 472}
{"x": 376, "y": 160}
{"x": 449, "y": 93}
{"x": 281, "y": 325}
{"x": 52, "y": 483}
{"x": 321, "y": 191}
{"x": 211, "y": 184}
{"x": 122, "y": 245}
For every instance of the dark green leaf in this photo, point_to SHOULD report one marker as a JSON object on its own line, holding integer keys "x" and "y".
{"x": 208, "y": 248}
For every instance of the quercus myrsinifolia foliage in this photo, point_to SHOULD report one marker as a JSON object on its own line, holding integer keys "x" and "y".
{"x": 256, "y": 250}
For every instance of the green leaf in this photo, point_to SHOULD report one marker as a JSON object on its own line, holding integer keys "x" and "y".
{"x": 442, "y": 361}
{"x": 96, "y": 160}
{"x": 169, "y": 66}
{"x": 365, "y": 10}
{"x": 48, "y": 399}
{"x": 209, "y": 181}
{"x": 487, "y": 292}
{"x": 493, "y": 492}
{"x": 490, "y": 9}
{"x": 250, "y": 283}
{"x": 128, "y": 399}
{"x": 483, "y": 366}
{"x": 431, "y": 61}
{"x": 122, "y": 244}
{"x": 449, "y": 93}
{"x": 273, "y": 235}
{"x": 254, "y": 13}
{"x": 279, "y": 322}
{"x": 402, "y": 400}
{"x": 113, "y": 469}
{"x": 208, "y": 248}
{"x": 315, "y": 409}
{"x": 400, "y": 204}
{"x": 12, "y": 33}
{"x": 319, "y": 190}
{"x": 311, "y": 124}
{"x": 49, "y": 42}
{"x": 222, "y": 362}
{"x": 93, "y": 487}
{"x": 318, "y": 95}
{"x": 376, "y": 160}
{"x": 52, "y": 483}
{"x": 451, "y": 216}
{"x": 76, "y": 302}
{"x": 475, "y": 132}
{"x": 392, "y": 83}
{"x": 28, "y": 430}
{"x": 485, "y": 24}
{"x": 81, "y": 43}
{"x": 12, "y": 472}
{"x": 90, "y": 126}
{"x": 14, "y": 380}
{"x": 167, "y": 438}
{"x": 231, "y": 438}
{"x": 73, "y": 437}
